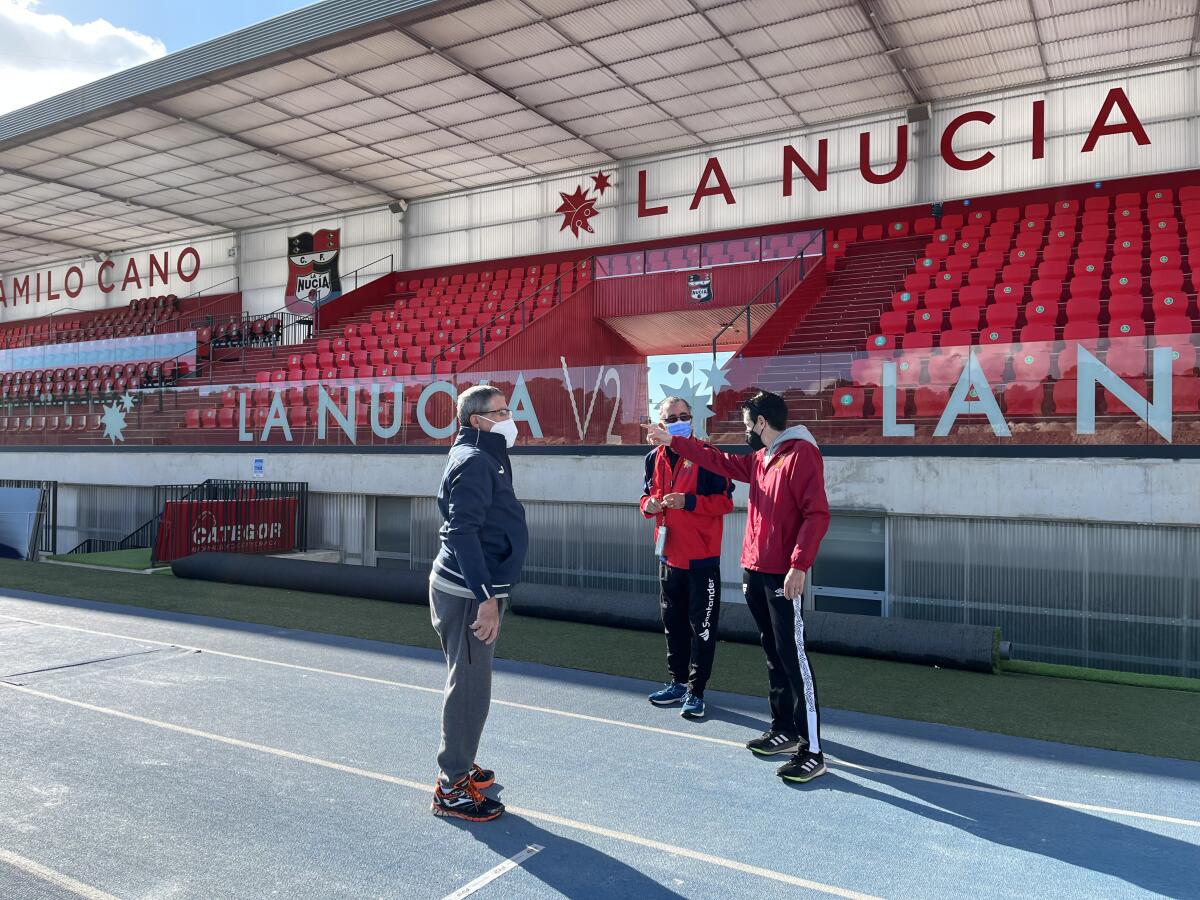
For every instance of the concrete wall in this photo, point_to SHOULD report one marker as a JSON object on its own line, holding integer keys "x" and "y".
{"x": 1161, "y": 492}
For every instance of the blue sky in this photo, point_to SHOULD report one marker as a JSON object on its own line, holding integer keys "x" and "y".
{"x": 177, "y": 25}
{"x": 52, "y": 46}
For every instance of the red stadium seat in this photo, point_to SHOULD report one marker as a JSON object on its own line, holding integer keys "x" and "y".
{"x": 955, "y": 339}
{"x": 1041, "y": 312}
{"x": 973, "y": 295}
{"x": 964, "y": 318}
{"x": 930, "y": 401}
{"x": 937, "y": 298}
{"x": 917, "y": 340}
{"x": 881, "y": 342}
{"x": 1023, "y": 398}
{"x": 1166, "y": 281}
{"x": 1127, "y": 328}
{"x": 928, "y": 320}
{"x": 945, "y": 367}
{"x": 1083, "y": 309}
{"x": 1126, "y": 356}
{"x": 1126, "y": 306}
{"x": 893, "y": 322}
{"x": 848, "y": 402}
{"x": 1006, "y": 293}
{"x": 1002, "y": 316}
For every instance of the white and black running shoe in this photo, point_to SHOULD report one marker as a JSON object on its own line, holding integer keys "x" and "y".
{"x": 802, "y": 767}
{"x": 773, "y": 743}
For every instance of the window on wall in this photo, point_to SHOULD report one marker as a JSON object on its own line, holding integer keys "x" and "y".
{"x": 849, "y": 575}
{"x": 726, "y": 253}
{"x": 731, "y": 252}
{"x": 393, "y": 531}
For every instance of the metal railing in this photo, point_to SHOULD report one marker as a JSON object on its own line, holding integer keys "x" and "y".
{"x": 786, "y": 280}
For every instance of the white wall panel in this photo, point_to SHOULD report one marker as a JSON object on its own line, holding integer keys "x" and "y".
{"x": 1163, "y": 96}
{"x": 520, "y": 218}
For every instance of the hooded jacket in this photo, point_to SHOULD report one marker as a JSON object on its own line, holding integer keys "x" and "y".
{"x": 788, "y": 513}
{"x": 483, "y": 536}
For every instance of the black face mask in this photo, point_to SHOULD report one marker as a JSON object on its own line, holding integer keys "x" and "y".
{"x": 754, "y": 439}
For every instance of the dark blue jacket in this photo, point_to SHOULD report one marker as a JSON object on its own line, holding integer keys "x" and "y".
{"x": 484, "y": 536}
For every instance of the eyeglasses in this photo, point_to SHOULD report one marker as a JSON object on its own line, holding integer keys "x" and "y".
{"x": 504, "y": 412}
{"x": 682, "y": 417}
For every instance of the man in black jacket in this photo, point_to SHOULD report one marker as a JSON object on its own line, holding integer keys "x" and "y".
{"x": 483, "y": 544}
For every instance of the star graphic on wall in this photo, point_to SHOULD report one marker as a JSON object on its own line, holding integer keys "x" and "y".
{"x": 716, "y": 379}
{"x": 127, "y": 401}
{"x": 602, "y": 183}
{"x": 576, "y": 208}
{"x": 695, "y": 399}
{"x": 113, "y": 422}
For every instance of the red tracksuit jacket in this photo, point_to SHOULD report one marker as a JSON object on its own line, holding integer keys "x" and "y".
{"x": 788, "y": 513}
{"x": 694, "y": 532}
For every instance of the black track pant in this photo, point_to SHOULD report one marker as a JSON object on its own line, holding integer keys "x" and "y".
{"x": 691, "y": 606}
{"x": 793, "y": 693}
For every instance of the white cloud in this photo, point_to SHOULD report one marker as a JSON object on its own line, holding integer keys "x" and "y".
{"x": 45, "y": 54}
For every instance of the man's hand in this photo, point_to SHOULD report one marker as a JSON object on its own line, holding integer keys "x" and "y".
{"x": 793, "y": 584}
{"x": 487, "y": 624}
{"x": 674, "y": 501}
{"x": 658, "y": 435}
{"x": 653, "y": 506}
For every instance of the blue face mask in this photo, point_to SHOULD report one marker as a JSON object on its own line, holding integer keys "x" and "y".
{"x": 680, "y": 429}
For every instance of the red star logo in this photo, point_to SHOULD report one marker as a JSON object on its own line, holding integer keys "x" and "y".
{"x": 577, "y": 208}
{"x": 602, "y": 183}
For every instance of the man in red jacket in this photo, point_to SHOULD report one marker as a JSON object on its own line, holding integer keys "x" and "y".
{"x": 786, "y": 519}
{"x": 688, "y": 503}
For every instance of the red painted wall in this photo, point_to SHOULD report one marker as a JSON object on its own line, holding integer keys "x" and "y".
{"x": 639, "y": 295}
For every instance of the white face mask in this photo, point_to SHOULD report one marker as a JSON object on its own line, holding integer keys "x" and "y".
{"x": 507, "y": 428}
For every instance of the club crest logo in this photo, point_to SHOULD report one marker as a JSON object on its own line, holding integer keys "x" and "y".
{"x": 579, "y": 207}
{"x": 313, "y": 269}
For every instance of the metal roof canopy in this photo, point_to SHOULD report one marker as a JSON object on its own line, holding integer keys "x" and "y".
{"x": 349, "y": 104}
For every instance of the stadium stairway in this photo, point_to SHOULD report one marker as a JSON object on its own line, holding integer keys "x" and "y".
{"x": 857, "y": 291}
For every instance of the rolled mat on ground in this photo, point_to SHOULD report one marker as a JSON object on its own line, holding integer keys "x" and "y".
{"x": 974, "y": 647}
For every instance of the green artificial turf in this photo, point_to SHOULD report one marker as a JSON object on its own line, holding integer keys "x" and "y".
{"x": 1142, "y": 718}
{"x": 1105, "y": 676}
{"x": 117, "y": 559}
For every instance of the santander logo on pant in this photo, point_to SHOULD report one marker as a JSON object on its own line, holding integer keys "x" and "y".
{"x": 712, "y": 599}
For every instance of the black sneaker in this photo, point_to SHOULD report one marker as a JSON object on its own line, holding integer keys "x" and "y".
{"x": 481, "y": 778}
{"x": 802, "y": 767}
{"x": 465, "y": 801}
{"x": 772, "y": 743}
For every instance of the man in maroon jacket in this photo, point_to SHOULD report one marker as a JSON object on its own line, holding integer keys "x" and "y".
{"x": 688, "y": 504}
{"x": 786, "y": 519}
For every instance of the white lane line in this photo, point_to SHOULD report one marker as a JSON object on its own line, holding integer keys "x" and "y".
{"x": 58, "y": 879}
{"x": 634, "y": 726}
{"x": 536, "y": 815}
{"x": 492, "y": 874}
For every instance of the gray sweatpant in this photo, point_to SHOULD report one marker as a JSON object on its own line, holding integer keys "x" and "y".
{"x": 468, "y": 682}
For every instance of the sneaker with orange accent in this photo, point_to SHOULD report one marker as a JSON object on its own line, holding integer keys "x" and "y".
{"x": 482, "y": 778}
{"x": 463, "y": 800}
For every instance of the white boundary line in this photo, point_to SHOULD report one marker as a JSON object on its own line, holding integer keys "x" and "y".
{"x": 492, "y": 874}
{"x": 625, "y": 837}
{"x": 634, "y": 726}
{"x": 66, "y": 882}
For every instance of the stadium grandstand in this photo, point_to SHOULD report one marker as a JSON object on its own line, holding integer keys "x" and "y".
{"x": 956, "y": 238}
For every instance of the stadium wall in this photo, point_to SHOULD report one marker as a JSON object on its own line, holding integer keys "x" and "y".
{"x": 521, "y": 219}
